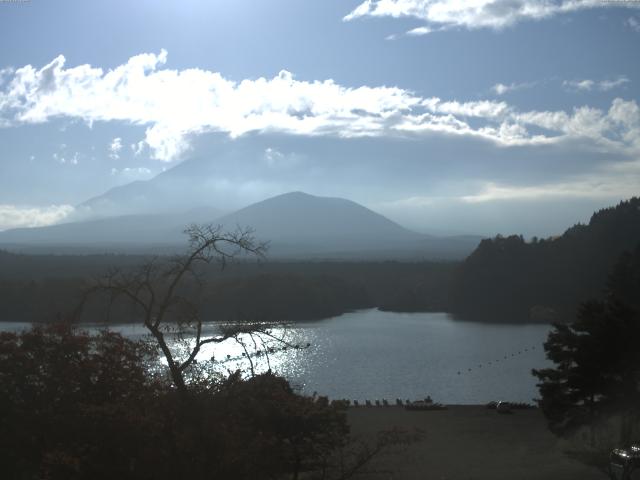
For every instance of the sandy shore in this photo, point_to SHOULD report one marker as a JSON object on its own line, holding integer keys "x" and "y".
{"x": 469, "y": 442}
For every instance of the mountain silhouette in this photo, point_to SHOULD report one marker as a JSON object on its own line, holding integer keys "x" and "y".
{"x": 296, "y": 224}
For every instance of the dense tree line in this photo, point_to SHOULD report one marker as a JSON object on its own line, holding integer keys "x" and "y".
{"x": 46, "y": 287}
{"x": 596, "y": 372}
{"x": 509, "y": 278}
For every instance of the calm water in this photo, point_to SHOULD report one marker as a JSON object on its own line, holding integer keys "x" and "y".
{"x": 371, "y": 354}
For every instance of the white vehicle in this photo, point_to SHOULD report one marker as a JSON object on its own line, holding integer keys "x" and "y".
{"x": 624, "y": 463}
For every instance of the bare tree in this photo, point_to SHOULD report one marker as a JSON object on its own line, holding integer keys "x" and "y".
{"x": 159, "y": 291}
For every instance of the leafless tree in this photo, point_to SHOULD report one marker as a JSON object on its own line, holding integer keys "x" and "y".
{"x": 158, "y": 289}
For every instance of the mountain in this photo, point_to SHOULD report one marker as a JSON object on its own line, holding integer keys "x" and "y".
{"x": 302, "y": 225}
{"x": 124, "y": 233}
{"x": 193, "y": 182}
{"x": 300, "y": 217}
{"x": 297, "y": 225}
{"x": 507, "y": 278}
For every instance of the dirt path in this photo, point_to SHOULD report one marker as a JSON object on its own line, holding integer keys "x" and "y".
{"x": 469, "y": 442}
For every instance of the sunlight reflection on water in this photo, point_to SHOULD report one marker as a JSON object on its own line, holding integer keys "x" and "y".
{"x": 371, "y": 354}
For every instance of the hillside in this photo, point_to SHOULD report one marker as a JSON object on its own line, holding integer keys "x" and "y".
{"x": 300, "y": 224}
{"x": 42, "y": 287}
{"x": 297, "y": 225}
{"x": 148, "y": 230}
{"x": 507, "y": 278}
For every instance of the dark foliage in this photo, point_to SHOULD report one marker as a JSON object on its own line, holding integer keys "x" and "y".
{"x": 42, "y": 288}
{"x": 511, "y": 279}
{"x": 75, "y": 406}
{"x": 283, "y": 298}
{"x": 70, "y": 402}
{"x": 596, "y": 357}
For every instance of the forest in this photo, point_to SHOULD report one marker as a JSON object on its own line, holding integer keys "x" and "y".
{"x": 47, "y": 287}
{"x": 506, "y": 279}
{"x": 509, "y": 278}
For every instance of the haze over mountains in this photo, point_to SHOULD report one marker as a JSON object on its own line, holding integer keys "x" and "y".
{"x": 296, "y": 224}
{"x": 195, "y": 182}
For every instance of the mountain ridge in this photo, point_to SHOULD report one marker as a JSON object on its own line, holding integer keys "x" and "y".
{"x": 546, "y": 279}
{"x": 297, "y": 224}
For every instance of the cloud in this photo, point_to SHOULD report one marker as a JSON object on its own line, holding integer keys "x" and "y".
{"x": 272, "y": 156}
{"x": 129, "y": 174}
{"x": 419, "y": 31}
{"x": 633, "y": 23}
{"x": 137, "y": 148}
{"x": 473, "y": 14}
{"x": 176, "y": 105}
{"x": 501, "y": 88}
{"x": 14, "y": 216}
{"x": 481, "y": 108}
{"x": 414, "y": 32}
{"x": 588, "y": 188}
{"x": 277, "y": 159}
{"x": 589, "y": 85}
{"x": 66, "y": 159}
{"x": 114, "y": 148}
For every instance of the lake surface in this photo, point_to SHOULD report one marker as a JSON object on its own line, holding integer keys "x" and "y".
{"x": 369, "y": 354}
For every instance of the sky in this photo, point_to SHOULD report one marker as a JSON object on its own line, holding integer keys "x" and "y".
{"x": 467, "y": 116}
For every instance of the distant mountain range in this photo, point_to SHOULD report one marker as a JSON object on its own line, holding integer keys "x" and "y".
{"x": 133, "y": 230}
{"x": 296, "y": 225}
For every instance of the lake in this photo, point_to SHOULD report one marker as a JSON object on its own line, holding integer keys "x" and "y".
{"x": 370, "y": 354}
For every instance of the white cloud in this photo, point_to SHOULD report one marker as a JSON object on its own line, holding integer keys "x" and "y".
{"x": 64, "y": 159}
{"x": 137, "y": 148}
{"x": 607, "y": 183}
{"x": 482, "y": 108}
{"x": 610, "y": 84}
{"x": 633, "y": 23}
{"x": 14, "y": 216}
{"x": 272, "y": 156}
{"x": 114, "y": 148}
{"x": 414, "y": 32}
{"x": 602, "y": 85}
{"x": 175, "y": 104}
{"x": 501, "y": 88}
{"x": 277, "y": 159}
{"x": 495, "y": 14}
{"x": 493, "y": 192}
{"x": 419, "y": 31}
{"x": 132, "y": 173}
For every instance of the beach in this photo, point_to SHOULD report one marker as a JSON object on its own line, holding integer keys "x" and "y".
{"x": 468, "y": 442}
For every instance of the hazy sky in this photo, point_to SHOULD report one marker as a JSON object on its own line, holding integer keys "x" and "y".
{"x": 448, "y": 116}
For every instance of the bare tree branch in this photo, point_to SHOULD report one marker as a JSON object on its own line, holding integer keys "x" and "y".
{"x": 155, "y": 287}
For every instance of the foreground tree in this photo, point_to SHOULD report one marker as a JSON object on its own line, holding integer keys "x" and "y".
{"x": 163, "y": 293}
{"x": 597, "y": 358}
{"x": 75, "y": 406}
{"x": 58, "y": 388}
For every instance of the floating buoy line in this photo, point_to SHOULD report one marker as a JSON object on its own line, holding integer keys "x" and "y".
{"x": 261, "y": 352}
{"x": 505, "y": 357}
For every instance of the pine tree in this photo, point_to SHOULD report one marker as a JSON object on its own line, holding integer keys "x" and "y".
{"x": 597, "y": 357}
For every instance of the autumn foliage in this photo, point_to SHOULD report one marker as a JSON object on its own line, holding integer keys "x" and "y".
{"x": 80, "y": 406}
